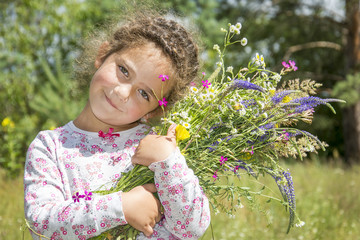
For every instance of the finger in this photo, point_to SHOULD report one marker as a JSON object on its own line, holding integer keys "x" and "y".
{"x": 148, "y": 230}
{"x": 150, "y": 187}
{"x": 171, "y": 131}
{"x": 158, "y": 217}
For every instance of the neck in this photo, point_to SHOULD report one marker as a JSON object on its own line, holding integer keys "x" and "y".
{"x": 89, "y": 122}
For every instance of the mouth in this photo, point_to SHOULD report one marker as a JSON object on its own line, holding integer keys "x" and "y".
{"x": 111, "y": 103}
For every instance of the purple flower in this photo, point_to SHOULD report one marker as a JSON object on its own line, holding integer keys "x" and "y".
{"x": 290, "y": 65}
{"x": 237, "y": 83}
{"x": 222, "y": 160}
{"x": 285, "y": 64}
{"x": 306, "y": 103}
{"x": 163, "y": 102}
{"x": 206, "y": 83}
{"x": 88, "y": 195}
{"x": 163, "y": 77}
{"x": 278, "y": 97}
{"x": 77, "y": 197}
{"x": 287, "y": 191}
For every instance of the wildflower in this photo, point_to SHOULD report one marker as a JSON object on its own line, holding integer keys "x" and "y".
{"x": 272, "y": 92}
{"x": 292, "y": 65}
{"x": 163, "y": 102}
{"x": 88, "y": 195}
{"x": 181, "y": 133}
{"x": 215, "y": 175}
{"x": 216, "y": 47}
{"x": 278, "y": 97}
{"x": 229, "y": 69}
{"x": 300, "y": 224}
{"x": 186, "y": 124}
{"x": 238, "y": 25}
{"x": 222, "y": 160}
{"x": 194, "y": 89}
{"x": 246, "y": 85}
{"x": 243, "y": 41}
{"x": 192, "y": 84}
{"x": 286, "y": 99}
{"x": 163, "y": 77}
{"x": 306, "y": 103}
{"x": 285, "y": 65}
{"x": 7, "y": 122}
{"x": 219, "y": 64}
{"x": 77, "y": 197}
{"x": 203, "y": 73}
{"x": 259, "y": 60}
{"x": 206, "y": 83}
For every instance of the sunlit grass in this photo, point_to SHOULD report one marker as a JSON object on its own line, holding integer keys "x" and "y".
{"x": 328, "y": 202}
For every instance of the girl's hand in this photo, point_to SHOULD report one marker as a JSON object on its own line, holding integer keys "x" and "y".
{"x": 155, "y": 148}
{"x": 141, "y": 209}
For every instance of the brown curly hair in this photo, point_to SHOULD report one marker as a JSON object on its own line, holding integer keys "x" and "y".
{"x": 172, "y": 38}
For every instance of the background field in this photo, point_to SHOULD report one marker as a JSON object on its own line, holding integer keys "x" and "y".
{"x": 327, "y": 200}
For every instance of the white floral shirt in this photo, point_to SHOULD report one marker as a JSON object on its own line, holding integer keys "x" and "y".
{"x": 64, "y": 166}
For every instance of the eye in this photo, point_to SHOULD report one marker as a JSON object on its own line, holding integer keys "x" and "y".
{"x": 124, "y": 71}
{"x": 144, "y": 94}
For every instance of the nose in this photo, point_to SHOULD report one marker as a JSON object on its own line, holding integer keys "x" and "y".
{"x": 123, "y": 91}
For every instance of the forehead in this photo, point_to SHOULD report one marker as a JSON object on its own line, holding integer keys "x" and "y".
{"x": 148, "y": 54}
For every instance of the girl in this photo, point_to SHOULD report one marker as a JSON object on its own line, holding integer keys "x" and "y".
{"x": 64, "y": 166}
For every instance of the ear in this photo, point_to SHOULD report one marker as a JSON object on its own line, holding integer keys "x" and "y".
{"x": 154, "y": 113}
{"x": 100, "y": 57}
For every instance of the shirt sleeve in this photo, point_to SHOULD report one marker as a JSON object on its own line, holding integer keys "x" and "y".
{"x": 52, "y": 211}
{"x": 187, "y": 213}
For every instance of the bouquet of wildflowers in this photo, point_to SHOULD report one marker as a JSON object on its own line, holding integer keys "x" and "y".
{"x": 238, "y": 121}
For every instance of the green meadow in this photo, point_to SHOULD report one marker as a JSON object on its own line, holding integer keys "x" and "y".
{"x": 328, "y": 201}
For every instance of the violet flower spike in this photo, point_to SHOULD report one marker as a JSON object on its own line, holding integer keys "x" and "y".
{"x": 237, "y": 83}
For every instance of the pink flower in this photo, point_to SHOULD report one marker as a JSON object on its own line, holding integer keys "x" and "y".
{"x": 163, "y": 77}
{"x": 87, "y": 195}
{"x": 292, "y": 64}
{"x": 203, "y": 73}
{"x": 77, "y": 197}
{"x": 163, "y": 102}
{"x": 222, "y": 160}
{"x": 192, "y": 84}
{"x": 206, "y": 83}
{"x": 285, "y": 65}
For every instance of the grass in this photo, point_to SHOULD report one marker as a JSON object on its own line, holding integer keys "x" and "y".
{"x": 328, "y": 200}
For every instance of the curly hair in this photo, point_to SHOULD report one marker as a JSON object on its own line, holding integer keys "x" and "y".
{"x": 171, "y": 37}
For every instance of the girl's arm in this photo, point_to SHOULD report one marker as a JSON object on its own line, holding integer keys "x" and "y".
{"x": 187, "y": 213}
{"x": 53, "y": 210}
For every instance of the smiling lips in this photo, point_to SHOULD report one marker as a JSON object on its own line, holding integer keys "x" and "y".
{"x": 110, "y": 102}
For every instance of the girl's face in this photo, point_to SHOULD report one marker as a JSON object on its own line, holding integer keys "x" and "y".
{"x": 122, "y": 89}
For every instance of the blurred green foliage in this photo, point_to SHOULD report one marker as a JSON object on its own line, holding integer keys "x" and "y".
{"x": 39, "y": 41}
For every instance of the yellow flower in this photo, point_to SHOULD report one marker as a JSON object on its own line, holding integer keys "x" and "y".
{"x": 181, "y": 133}
{"x": 52, "y": 127}
{"x": 7, "y": 122}
{"x": 237, "y": 106}
{"x": 286, "y": 99}
{"x": 272, "y": 92}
